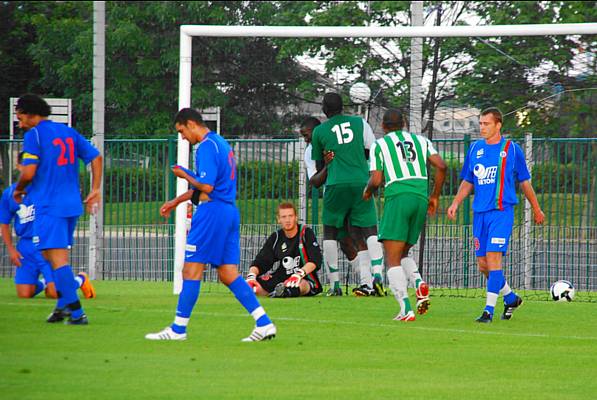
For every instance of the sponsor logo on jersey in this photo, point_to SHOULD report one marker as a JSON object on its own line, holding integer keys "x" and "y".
{"x": 203, "y": 173}
{"x": 35, "y": 239}
{"x": 284, "y": 247}
{"x": 498, "y": 240}
{"x": 190, "y": 248}
{"x": 477, "y": 244}
{"x": 480, "y": 153}
{"x": 485, "y": 176}
{"x": 26, "y": 213}
{"x": 291, "y": 263}
{"x": 503, "y": 154}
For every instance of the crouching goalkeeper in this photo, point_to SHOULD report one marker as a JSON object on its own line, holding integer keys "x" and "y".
{"x": 287, "y": 264}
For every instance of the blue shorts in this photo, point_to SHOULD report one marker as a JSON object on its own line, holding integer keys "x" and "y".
{"x": 33, "y": 263}
{"x": 492, "y": 230}
{"x": 54, "y": 232}
{"x": 214, "y": 237}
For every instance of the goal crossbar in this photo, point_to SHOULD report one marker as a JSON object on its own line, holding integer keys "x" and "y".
{"x": 184, "y": 89}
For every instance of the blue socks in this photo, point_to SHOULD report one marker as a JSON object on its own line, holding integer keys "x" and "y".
{"x": 39, "y": 287}
{"x": 66, "y": 286}
{"x": 186, "y": 301}
{"x": 495, "y": 281}
{"x": 243, "y": 293}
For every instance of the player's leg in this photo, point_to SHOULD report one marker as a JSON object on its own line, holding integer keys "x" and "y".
{"x": 192, "y": 273}
{"x": 336, "y": 206}
{"x": 363, "y": 217}
{"x": 330, "y": 258}
{"x": 263, "y": 287}
{"x": 397, "y": 279}
{"x": 66, "y": 286}
{"x": 228, "y": 261}
{"x": 55, "y": 238}
{"x": 356, "y": 247}
{"x": 264, "y": 328}
{"x": 45, "y": 269}
{"x": 27, "y": 291}
{"x": 417, "y": 213}
{"x": 27, "y": 281}
{"x": 499, "y": 232}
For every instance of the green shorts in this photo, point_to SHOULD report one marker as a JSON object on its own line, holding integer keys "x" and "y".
{"x": 340, "y": 201}
{"x": 403, "y": 218}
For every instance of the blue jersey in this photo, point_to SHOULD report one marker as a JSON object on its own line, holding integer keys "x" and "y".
{"x": 493, "y": 170}
{"x": 56, "y": 148}
{"x": 216, "y": 166}
{"x": 24, "y": 212}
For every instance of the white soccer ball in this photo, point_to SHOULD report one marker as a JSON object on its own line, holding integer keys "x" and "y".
{"x": 562, "y": 291}
{"x": 360, "y": 93}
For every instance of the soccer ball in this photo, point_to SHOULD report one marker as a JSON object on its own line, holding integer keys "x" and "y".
{"x": 360, "y": 93}
{"x": 562, "y": 291}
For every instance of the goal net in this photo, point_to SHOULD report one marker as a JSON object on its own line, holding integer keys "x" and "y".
{"x": 266, "y": 80}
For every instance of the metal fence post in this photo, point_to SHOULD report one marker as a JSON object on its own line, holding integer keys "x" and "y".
{"x": 526, "y": 240}
{"x": 467, "y": 220}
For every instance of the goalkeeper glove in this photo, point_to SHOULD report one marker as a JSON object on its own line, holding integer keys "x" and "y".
{"x": 252, "y": 281}
{"x": 295, "y": 279}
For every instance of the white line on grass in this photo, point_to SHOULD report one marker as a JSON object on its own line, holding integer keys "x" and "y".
{"x": 355, "y": 323}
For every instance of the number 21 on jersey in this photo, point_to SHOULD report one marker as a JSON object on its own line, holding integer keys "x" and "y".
{"x": 343, "y": 133}
{"x": 62, "y": 160}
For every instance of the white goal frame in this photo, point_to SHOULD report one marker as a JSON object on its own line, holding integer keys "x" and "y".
{"x": 186, "y": 44}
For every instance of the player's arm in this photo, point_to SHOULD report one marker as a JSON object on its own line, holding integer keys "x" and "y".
{"x": 27, "y": 174}
{"x": 319, "y": 178}
{"x": 94, "y": 197}
{"x": 31, "y": 152}
{"x": 375, "y": 180}
{"x": 529, "y": 193}
{"x": 15, "y": 256}
{"x": 168, "y": 206}
{"x": 376, "y": 172}
{"x": 440, "y": 176}
{"x": 463, "y": 191}
{"x": 183, "y": 173}
{"x": 522, "y": 174}
{"x": 295, "y": 279}
{"x": 368, "y": 138}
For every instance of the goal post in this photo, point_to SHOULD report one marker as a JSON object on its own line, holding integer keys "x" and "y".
{"x": 187, "y": 32}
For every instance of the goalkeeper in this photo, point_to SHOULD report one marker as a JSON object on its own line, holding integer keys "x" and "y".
{"x": 287, "y": 264}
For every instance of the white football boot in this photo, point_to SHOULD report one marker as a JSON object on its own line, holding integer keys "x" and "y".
{"x": 166, "y": 334}
{"x": 261, "y": 333}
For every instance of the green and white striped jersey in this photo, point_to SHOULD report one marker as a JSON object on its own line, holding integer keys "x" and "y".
{"x": 402, "y": 157}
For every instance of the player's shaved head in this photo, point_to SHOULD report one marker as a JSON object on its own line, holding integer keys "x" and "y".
{"x": 32, "y": 104}
{"x": 393, "y": 120}
{"x": 332, "y": 104}
{"x": 188, "y": 114}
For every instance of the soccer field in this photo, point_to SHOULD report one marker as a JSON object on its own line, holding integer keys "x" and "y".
{"x": 326, "y": 348}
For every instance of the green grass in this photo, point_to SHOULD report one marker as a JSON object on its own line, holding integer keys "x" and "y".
{"x": 327, "y": 348}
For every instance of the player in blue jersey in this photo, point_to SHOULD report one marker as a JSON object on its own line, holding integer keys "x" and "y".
{"x": 492, "y": 166}
{"x": 28, "y": 261}
{"x": 214, "y": 237}
{"x": 50, "y": 178}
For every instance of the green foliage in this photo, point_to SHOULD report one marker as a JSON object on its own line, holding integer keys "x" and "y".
{"x": 125, "y": 184}
{"x": 263, "y": 179}
{"x": 552, "y": 177}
